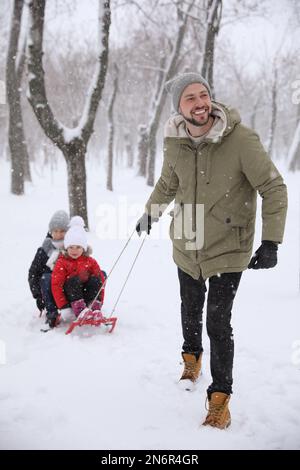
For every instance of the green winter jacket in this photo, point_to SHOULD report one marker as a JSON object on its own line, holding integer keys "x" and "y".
{"x": 223, "y": 173}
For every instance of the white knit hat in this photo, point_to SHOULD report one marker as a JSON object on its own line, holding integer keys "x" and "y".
{"x": 76, "y": 235}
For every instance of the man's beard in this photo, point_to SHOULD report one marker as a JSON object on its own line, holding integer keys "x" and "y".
{"x": 196, "y": 123}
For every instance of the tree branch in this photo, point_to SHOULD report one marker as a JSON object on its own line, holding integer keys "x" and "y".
{"x": 37, "y": 93}
{"x": 94, "y": 98}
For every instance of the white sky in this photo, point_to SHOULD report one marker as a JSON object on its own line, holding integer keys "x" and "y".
{"x": 75, "y": 21}
{"x": 262, "y": 38}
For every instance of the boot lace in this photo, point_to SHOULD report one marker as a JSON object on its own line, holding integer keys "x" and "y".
{"x": 189, "y": 371}
{"x": 215, "y": 412}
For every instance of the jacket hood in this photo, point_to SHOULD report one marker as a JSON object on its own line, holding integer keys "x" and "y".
{"x": 228, "y": 119}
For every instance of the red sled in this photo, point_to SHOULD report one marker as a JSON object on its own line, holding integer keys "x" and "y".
{"x": 93, "y": 319}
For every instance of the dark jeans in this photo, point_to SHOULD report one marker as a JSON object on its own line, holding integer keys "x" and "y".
{"x": 75, "y": 289}
{"x": 47, "y": 293}
{"x": 221, "y": 293}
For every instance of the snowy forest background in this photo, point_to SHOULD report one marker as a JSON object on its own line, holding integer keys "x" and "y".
{"x": 247, "y": 49}
{"x": 82, "y": 111}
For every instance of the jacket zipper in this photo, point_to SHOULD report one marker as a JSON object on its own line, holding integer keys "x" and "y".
{"x": 199, "y": 147}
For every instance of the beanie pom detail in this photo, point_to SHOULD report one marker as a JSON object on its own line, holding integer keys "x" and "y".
{"x": 76, "y": 221}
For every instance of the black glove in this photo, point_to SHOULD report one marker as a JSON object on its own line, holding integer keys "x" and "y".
{"x": 144, "y": 224}
{"x": 40, "y": 304}
{"x": 265, "y": 257}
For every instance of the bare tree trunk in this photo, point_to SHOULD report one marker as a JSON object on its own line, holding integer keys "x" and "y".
{"x": 74, "y": 154}
{"x": 20, "y": 71}
{"x": 110, "y": 162}
{"x": 72, "y": 142}
{"x": 143, "y": 149}
{"x": 129, "y": 150}
{"x": 160, "y": 94}
{"x": 253, "y": 115}
{"x": 214, "y": 15}
{"x": 110, "y": 158}
{"x": 160, "y": 80}
{"x": 16, "y": 139}
{"x": 146, "y": 134}
{"x": 273, "y": 113}
{"x": 294, "y": 153}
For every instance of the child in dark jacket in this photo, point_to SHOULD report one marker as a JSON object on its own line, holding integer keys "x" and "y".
{"x": 40, "y": 271}
{"x": 77, "y": 277}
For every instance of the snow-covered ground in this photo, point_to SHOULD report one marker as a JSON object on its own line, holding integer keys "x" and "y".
{"x": 98, "y": 391}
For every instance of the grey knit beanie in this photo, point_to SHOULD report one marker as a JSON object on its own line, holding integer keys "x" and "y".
{"x": 59, "y": 221}
{"x": 176, "y": 86}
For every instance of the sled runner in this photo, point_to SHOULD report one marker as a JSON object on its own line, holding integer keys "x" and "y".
{"x": 96, "y": 317}
{"x": 91, "y": 318}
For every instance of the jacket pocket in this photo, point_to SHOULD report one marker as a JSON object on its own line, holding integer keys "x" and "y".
{"x": 240, "y": 222}
{"x": 230, "y": 218}
{"x": 221, "y": 232}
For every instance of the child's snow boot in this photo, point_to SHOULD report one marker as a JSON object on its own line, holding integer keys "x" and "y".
{"x": 81, "y": 311}
{"x": 96, "y": 305}
{"x": 78, "y": 306}
{"x": 53, "y": 318}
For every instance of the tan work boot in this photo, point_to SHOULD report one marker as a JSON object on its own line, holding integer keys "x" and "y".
{"x": 218, "y": 415}
{"x": 191, "y": 372}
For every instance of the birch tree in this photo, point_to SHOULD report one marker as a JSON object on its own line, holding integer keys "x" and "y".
{"x": 71, "y": 141}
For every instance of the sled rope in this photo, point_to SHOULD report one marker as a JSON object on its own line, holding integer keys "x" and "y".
{"x": 127, "y": 277}
{"x": 113, "y": 267}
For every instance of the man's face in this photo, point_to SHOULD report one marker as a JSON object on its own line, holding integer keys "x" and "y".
{"x": 195, "y": 104}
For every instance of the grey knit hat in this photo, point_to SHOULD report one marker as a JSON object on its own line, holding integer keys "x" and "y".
{"x": 59, "y": 221}
{"x": 176, "y": 86}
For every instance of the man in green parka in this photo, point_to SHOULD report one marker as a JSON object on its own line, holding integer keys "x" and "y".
{"x": 213, "y": 167}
